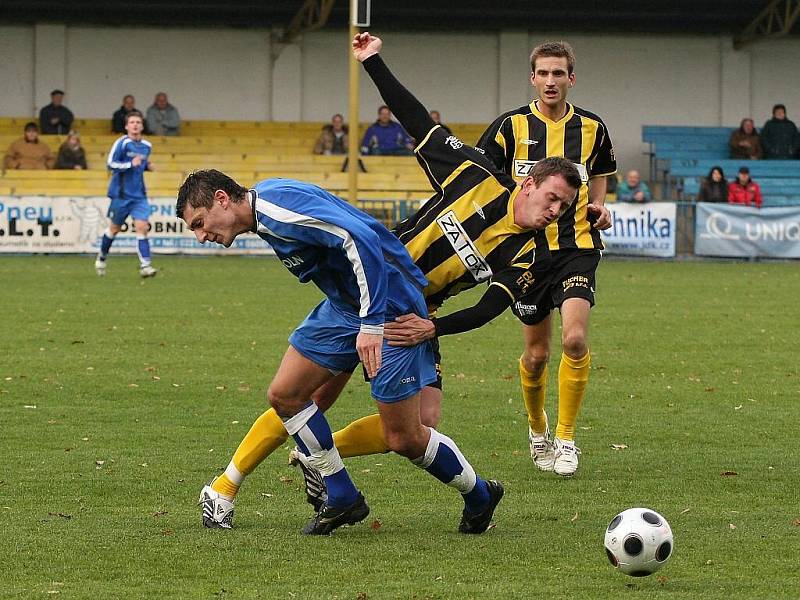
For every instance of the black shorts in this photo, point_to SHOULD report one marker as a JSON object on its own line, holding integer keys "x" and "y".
{"x": 571, "y": 274}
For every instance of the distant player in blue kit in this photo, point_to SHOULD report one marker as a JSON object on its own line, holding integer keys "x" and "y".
{"x": 128, "y": 159}
{"x": 368, "y": 278}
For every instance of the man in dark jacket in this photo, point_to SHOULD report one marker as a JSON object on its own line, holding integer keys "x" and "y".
{"x": 779, "y": 136}
{"x": 55, "y": 118}
{"x": 118, "y": 119}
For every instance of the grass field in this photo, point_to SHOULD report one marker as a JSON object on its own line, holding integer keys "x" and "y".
{"x": 119, "y": 399}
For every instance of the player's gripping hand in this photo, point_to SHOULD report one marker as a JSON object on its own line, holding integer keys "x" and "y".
{"x": 137, "y": 160}
{"x": 366, "y": 45}
{"x": 600, "y": 215}
{"x": 409, "y": 330}
{"x": 368, "y": 346}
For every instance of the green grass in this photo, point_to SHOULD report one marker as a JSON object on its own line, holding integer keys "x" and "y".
{"x": 694, "y": 369}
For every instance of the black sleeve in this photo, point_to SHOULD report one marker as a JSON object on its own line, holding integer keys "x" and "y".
{"x": 413, "y": 116}
{"x": 488, "y": 143}
{"x": 491, "y": 305}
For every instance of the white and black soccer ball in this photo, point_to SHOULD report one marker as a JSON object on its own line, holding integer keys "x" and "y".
{"x": 638, "y": 541}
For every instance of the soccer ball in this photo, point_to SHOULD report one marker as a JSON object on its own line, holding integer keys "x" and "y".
{"x": 638, "y": 541}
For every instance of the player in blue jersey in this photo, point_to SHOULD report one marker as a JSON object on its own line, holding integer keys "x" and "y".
{"x": 368, "y": 278}
{"x": 128, "y": 159}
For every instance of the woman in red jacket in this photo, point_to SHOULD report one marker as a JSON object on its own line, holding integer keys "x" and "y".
{"x": 744, "y": 190}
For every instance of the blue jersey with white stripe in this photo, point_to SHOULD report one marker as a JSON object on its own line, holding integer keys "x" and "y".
{"x": 357, "y": 263}
{"x": 127, "y": 181}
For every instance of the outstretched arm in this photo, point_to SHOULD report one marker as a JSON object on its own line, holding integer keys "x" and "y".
{"x": 413, "y": 116}
{"x": 410, "y": 330}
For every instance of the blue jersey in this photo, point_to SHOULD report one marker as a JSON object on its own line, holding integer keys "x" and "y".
{"x": 357, "y": 263}
{"x": 127, "y": 181}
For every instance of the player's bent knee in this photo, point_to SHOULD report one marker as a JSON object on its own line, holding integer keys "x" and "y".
{"x": 406, "y": 443}
{"x": 535, "y": 360}
{"x": 575, "y": 346}
{"x": 283, "y": 400}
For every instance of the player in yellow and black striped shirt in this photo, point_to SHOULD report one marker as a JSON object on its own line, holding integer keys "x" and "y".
{"x": 515, "y": 141}
{"x": 478, "y": 228}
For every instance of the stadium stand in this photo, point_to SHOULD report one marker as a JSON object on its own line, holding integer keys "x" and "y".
{"x": 686, "y": 155}
{"x": 248, "y": 150}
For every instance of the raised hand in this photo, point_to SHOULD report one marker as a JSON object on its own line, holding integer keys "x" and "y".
{"x": 366, "y": 45}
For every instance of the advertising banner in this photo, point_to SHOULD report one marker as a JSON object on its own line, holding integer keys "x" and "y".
{"x": 641, "y": 229}
{"x": 742, "y": 231}
{"x": 39, "y": 224}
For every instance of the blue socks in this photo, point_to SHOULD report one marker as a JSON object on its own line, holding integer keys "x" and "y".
{"x": 105, "y": 244}
{"x": 311, "y": 432}
{"x": 444, "y": 460}
{"x": 143, "y": 249}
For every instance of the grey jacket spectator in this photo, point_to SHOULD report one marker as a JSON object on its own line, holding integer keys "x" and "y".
{"x": 163, "y": 118}
{"x": 745, "y": 143}
{"x": 71, "y": 154}
{"x": 55, "y": 118}
{"x": 779, "y": 135}
{"x": 118, "y": 118}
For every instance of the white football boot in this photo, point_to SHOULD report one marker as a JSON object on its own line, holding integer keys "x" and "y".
{"x": 217, "y": 510}
{"x": 147, "y": 271}
{"x": 542, "y": 449}
{"x": 100, "y": 267}
{"x": 566, "y": 457}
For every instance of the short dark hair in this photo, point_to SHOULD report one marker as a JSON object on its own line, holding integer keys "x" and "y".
{"x": 198, "y": 190}
{"x": 382, "y": 106}
{"x": 778, "y": 106}
{"x": 554, "y": 49}
{"x": 134, "y": 113}
{"x": 31, "y": 125}
{"x": 54, "y": 92}
{"x": 745, "y": 170}
{"x": 556, "y": 165}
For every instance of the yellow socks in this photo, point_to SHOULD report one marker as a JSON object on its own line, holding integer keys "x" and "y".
{"x": 265, "y": 436}
{"x": 533, "y": 392}
{"x": 361, "y": 437}
{"x": 573, "y": 375}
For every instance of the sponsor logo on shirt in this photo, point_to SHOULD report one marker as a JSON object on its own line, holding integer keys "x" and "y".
{"x": 472, "y": 259}
{"x": 292, "y": 261}
{"x": 522, "y": 168}
{"x": 478, "y": 209}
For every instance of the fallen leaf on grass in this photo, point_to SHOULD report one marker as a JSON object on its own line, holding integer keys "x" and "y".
{"x": 796, "y": 522}
{"x": 266, "y": 495}
{"x": 60, "y": 514}
{"x": 32, "y": 406}
{"x": 710, "y": 389}
{"x": 729, "y": 473}
{"x": 167, "y": 532}
{"x": 619, "y": 446}
{"x": 375, "y": 525}
{"x": 133, "y": 385}
{"x": 284, "y": 479}
{"x": 243, "y": 387}
{"x": 574, "y": 517}
{"x": 160, "y": 513}
{"x": 99, "y": 463}
{"x": 737, "y": 407}
{"x": 362, "y": 596}
{"x": 77, "y": 342}
{"x": 460, "y": 376}
{"x": 685, "y": 510}
{"x": 731, "y": 526}
{"x": 661, "y": 579}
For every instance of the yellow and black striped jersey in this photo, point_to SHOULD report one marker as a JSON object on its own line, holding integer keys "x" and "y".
{"x": 516, "y": 140}
{"x": 465, "y": 234}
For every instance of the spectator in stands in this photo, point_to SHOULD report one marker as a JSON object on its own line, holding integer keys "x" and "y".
{"x": 118, "y": 119}
{"x": 71, "y": 154}
{"x": 437, "y": 118}
{"x": 386, "y": 137}
{"x": 611, "y": 184}
{"x": 162, "y": 117}
{"x": 779, "y": 135}
{"x": 633, "y": 189}
{"x": 745, "y": 143}
{"x": 714, "y": 188}
{"x": 744, "y": 190}
{"x": 55, "y": 118}
{"x": 333, "y": 139}
{"x": 29, "y": 152}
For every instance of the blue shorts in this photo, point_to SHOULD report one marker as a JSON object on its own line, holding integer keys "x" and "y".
{"x": 327, "y": 337}
{"x": 120, "y": 208}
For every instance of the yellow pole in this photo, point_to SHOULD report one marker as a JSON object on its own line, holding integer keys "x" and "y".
{"x": 355, "y": 138}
